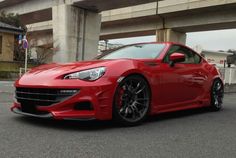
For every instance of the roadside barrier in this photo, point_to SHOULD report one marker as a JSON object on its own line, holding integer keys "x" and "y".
{"x": 229, "y": 75}
{"x": 22, "y": 71}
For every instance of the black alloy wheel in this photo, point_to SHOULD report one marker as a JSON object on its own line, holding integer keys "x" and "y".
{"x": 217, "y": 94}
{"x": 131, "y": 101}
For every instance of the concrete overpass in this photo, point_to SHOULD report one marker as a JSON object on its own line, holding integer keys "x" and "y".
{"x": 179, "y": 16}
{"x": 102, "y": 5}
{"x": 74, "y": 25}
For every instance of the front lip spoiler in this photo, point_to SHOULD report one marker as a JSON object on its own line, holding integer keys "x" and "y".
{"x": 18, "y": 111}
{"x": 79, "y": 119}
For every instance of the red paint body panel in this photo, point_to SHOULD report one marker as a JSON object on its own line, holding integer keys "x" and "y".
{"x": 180, "y": 87}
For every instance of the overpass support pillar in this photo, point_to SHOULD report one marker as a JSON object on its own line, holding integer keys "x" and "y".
{"x": 168, "y": 35}
{"x": 75, "y": 33}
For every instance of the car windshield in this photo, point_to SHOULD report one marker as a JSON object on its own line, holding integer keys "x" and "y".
{"x": 140, "y": 51}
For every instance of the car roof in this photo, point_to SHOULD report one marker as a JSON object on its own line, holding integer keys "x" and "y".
{"x": 167, "y": 43}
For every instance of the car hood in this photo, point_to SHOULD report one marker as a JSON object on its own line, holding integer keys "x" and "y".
{"x": 62, "y": 69}
{"x": 46, "y": 73}
{"x": 66, "y": 68}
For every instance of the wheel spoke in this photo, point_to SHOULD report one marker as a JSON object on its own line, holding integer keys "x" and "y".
{"x": 142, "y": 99}
{"x": 126, "y": 112}
{"x": 137, "y": 87}
{"x": 134, "y": 108}
{"x": 138, "y": 103}
{"x": 216, "y": 100}
{"x": 133, "y": 114}
{"x": 218, "y": 87}
{"x": 135, "y": 111}
{"x": 139, "y": 91}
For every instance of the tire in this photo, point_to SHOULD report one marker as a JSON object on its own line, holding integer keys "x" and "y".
{"x": 217, "y": 94}
{"x": 131, "y": 102}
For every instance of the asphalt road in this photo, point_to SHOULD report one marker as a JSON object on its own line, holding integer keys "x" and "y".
{"x": 187, "y": 134}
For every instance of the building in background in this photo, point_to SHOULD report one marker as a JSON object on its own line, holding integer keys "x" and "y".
{"x": 8, "y": 35}
{"x": 231, "y": 59}
{"x": 216, "y": 57}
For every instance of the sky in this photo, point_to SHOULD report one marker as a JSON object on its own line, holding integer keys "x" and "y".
{"x": 208, "y": 40}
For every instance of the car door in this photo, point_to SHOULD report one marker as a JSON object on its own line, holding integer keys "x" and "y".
{"x": 182, "y": 83}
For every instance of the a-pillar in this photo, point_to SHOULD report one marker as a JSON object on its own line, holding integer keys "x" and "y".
{"x": 75, "y": 33}
{"x": 169, "y": 35}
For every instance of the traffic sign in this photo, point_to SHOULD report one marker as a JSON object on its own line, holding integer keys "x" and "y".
{"x": 20, "y": 38}
{"x": 25, "y": 44}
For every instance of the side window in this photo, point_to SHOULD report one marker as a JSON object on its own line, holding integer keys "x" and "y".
{"x": 190, "y": 56}
{"x": 197, "y": 58}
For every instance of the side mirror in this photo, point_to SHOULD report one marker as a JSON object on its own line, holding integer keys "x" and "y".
{"x": 176, "y": 58}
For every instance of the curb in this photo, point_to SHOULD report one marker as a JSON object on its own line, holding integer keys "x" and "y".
{"x": 6, "y": 92}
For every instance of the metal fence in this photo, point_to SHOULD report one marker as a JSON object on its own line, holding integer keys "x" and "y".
{"x": 22, "y": 71}
{"x": 229, "y": 75}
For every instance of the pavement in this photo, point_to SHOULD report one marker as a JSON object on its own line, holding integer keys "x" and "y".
{"x": 186, "y": 134}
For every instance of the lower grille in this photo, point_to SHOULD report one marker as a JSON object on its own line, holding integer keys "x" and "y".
{"x": 32, "y": 97}
{"x": 28, "y": 108}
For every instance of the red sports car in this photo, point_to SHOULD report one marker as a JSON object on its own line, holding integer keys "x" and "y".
{"x": 126, "y": 85}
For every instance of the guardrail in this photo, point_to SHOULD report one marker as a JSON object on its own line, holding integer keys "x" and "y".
{"x": 22, "y": 71}
{"x": 229, "y": 75}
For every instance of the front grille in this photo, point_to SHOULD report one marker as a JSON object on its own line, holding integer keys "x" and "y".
{"x": 42, "y": 97}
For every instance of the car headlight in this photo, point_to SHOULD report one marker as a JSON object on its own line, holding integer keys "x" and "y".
{"x": 87, "y": 75}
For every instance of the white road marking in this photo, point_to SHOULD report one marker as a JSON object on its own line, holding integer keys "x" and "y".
{"x": 8, "y": 85}
{"x": 6, "y": 81}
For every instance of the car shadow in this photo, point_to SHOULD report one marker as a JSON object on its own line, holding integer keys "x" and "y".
{"x": 67, "y": 124}
{"x": 104, "y": 125}
{"x": 178, "y": 114}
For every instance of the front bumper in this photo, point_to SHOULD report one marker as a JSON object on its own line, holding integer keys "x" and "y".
{"x": 99, "y": 94}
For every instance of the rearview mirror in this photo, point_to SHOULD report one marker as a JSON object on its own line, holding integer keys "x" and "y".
{"x": 176, "y": 58}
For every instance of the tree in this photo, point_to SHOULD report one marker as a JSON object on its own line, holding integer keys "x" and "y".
{"x": 12, "y": 19}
